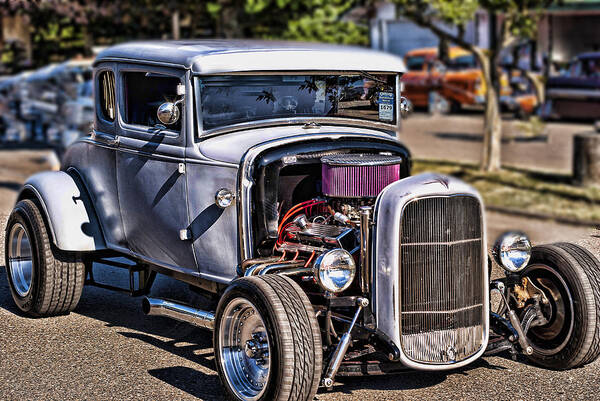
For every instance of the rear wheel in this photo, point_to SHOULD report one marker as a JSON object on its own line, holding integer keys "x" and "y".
{"x": 43, "y": 280}
{"x": 267, "y": 341}
{"x": 570, "y": 278}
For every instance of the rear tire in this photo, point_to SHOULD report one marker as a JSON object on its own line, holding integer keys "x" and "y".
{"x": 43, "y": 280}
{"x": 279, "y": 315}
{"x": 569, "y": 275}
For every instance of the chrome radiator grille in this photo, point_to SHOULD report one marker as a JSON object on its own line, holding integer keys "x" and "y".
{"x": 442, "y": 279}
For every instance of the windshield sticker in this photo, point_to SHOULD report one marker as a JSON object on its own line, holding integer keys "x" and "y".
{"x": 386, "y": 106}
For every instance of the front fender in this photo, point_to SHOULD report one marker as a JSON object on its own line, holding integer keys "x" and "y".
{"x": 70, "y": 214}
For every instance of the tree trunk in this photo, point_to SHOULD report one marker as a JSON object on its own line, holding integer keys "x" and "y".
{"x": 538, "y": 85}
{"x": 586, "y": 159}
{"x": 176, "y": 31}
{"x": 492, "y": 130}
{"x": 88, "y": 41}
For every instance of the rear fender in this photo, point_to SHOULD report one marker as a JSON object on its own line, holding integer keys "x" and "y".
{"x": 68, "y": 210}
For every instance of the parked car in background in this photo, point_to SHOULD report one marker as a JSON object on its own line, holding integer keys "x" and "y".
{"x": 15, "y": 129}
{"x": 262, "y": 175}
{"x": 575, "y": 94}
{"x": 517, "y": 94}
{"x": 52, "y": 105}
{"x": 57, "y": 101}
{"x": 430, "y": 83}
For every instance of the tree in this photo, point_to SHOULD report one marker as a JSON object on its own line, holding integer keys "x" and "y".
{"x": 517, "y": 20}
{"x": 66, "y": 28}
{"x": 305, "y": 20}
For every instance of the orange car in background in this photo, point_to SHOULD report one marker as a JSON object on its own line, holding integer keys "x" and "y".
{"x": 517, "y": 94}
{"x": 431, "y": 84}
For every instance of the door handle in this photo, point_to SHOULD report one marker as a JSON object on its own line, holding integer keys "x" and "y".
{"x": 107, "y": 139}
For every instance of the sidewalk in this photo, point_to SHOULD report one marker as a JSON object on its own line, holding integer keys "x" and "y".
{"x": 540, "y": 231}
{"x": 458, "y": 137}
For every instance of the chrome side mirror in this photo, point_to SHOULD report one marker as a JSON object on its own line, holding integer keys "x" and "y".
{"x": 406, "y": 107}
{"x": 168, "y": 113}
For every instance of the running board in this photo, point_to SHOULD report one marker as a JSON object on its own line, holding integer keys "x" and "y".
{"x": 183, "y": 313}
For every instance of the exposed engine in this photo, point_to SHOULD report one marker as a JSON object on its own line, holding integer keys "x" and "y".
{"x": 349, "y": 182}
{"x": 336, "y": 219}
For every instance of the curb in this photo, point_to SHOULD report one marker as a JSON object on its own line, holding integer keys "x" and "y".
{"x": 544, "y": 216}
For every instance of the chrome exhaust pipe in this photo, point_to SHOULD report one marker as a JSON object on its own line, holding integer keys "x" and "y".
{"x": 183, "y": 313}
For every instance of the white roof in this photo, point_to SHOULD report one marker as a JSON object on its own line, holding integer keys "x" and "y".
{"x": 223, "y": 56}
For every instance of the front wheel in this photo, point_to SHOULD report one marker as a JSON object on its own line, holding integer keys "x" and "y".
{"x": 267, "y": 341}
{"x": 569, "y": 276}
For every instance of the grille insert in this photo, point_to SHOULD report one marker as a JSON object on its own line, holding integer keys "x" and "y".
{"x": 442, "y": 279}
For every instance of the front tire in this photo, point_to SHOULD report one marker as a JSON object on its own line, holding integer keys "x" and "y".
{"x": 569, "y": 276}
{"x": 43, "y": 280}
{"x": 267, "y": 341}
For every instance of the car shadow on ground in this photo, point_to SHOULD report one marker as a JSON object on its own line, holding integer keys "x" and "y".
{"x": 122, "y": 311}
{"x": 195, "y": 345}
{"x": 459, "y": 136}
{"x": 188, "y": 380}
{"x": 405, "y": 380}
{"x": 11, "y": 185}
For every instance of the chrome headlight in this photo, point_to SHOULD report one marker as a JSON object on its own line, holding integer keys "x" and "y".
{"x": 224, "y": 198}
{"x": 335, "y": 270}
{"x": 512, "y": 251}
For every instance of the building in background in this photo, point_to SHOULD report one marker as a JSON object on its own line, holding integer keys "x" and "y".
{"x": 565, "y": 30}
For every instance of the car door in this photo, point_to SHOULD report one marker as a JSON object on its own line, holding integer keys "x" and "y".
{"x": 151, "y": 168}
{"x": 94, "y": 159}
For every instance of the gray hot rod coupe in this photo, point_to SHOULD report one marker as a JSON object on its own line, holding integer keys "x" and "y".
{"x": 268, "y": 177}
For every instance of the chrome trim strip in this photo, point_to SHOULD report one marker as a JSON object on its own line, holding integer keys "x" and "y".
{"x": 353, "y": 122}
{"x": 462, "y": 241}
{"x": 293, "y": 72}
{"x": 574, "y": 93}
{"x": 430, "y": 312}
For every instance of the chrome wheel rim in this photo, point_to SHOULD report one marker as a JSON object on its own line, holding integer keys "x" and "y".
{"x": 20, "y": 259}
{"x": 244, "y": 349}
{"x": 552, "y": 337}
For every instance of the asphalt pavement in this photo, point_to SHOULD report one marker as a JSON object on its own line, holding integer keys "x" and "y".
{"x": 107, "y": 349}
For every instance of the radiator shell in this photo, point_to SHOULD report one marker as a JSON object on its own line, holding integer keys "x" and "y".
{"x": 388, "y": 304}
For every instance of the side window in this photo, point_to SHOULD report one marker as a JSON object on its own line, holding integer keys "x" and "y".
{"x": 144, "y": 93}
{"x": 106, "y": 89}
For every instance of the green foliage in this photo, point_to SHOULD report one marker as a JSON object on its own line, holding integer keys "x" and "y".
{"x": 521, "y": 16}
{"x": 304, "y": 20}
{"x": 324, "y": 25}
{"x": 455, "y": 12}
{"x": 65, "y": 28}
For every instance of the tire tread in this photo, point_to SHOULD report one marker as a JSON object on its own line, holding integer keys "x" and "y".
{"x": 582, "y": 269}
{"x": 298, "y": 333}
{"x": 591, "y": 266}
{"x": 61, "y": 274}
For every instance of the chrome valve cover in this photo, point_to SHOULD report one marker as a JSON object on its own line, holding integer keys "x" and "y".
{"x": 430, "y": 260}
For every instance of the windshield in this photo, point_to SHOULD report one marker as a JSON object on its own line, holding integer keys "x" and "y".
{"x": 462, "y": 62}
{"x": 232, "y": 99}
{"x": 415, "y": 63}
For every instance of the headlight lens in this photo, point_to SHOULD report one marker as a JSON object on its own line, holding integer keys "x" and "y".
{"x": 224, "y": 198}
{"x": 335, "y": 270}
{"x": 512, "y": 251}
